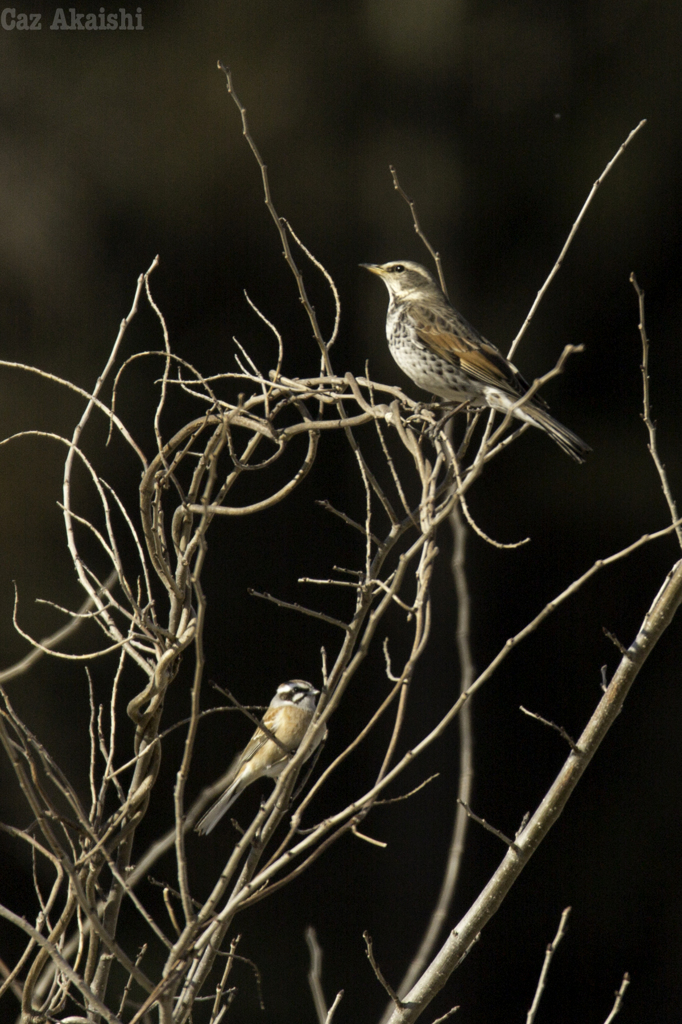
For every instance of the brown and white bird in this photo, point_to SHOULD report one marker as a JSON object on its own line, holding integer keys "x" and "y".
{"x": 443, "y": 354}
{"x": 288, "y": 717}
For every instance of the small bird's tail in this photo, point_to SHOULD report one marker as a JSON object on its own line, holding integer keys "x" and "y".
{"x": 561, "y": 435}
{"x": 218, "y": 809}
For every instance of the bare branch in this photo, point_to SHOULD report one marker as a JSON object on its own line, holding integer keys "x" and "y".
{"x": 551, "y": 725}
{"x": 48, "y": 643}
{"x": 549, "y": 953}
{"x": 466, "y": 762}
{"x": 446, "y": 1016}
{"x": 333, "y": 1007}
{"x": 279, "y": 222}
{"x": 620, "y": 995}
{"x": 295, "y": 607}
{"x": 574, "y": 230}
{"x": 64, "y": 966}
{"x": 417, "y": 227}
{"x": 377, "y": 970}
{"x": 235, "y": 453}
{"x": 650, "y": 425}
{"x": 489, "y": 828}
{"x": 655, "y": 623}
{"x": 315, "y": 974}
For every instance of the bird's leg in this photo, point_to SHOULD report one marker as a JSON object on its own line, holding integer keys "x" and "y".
{"x": 420, "y": 407}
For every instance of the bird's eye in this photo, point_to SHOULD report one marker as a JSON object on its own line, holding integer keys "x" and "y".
{"x": 398, "y": 269}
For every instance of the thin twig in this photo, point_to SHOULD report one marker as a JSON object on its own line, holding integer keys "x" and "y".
{"x": 328, "y": 507}
{"x": 446, "y": 1016}
{"x": 406, "y": 796}
{"x": 417, "y": 227}
{"x": 377, "y": 970}
{"x": 46, "y": 645}
{"x": 329, "y": 279}
{"x": 650, "y": 424}
{"x": 489, "y": 828}
{"x": 279, "y": 221}
{"x": 549, "y": 953}
{"x": 620, "y": 995}
{"x": 218, "y": 1012}
{"x": 614, "y": 640}
{"x": 368, "y": 839}
{"x": 333, "y": 1007}
{"x": 488, "y": 446}
{"x": 574, "y": 230}
{"x": 552, "y": 725}
{"x": 294, "y": 606}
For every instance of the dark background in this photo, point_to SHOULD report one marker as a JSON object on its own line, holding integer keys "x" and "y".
{"x": 498, "y": 116}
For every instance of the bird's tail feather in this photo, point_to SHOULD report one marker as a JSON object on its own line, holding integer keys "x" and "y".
{"x": 218, "y": 809}
{"x": 561, "y": 435}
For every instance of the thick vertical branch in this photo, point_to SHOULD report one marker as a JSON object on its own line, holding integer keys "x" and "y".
{"x": 657, "y": 620}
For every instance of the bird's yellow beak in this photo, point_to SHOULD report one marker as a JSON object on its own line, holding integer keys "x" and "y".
{"x": 374, "y": 268}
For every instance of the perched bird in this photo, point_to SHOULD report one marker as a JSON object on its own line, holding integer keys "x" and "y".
{"x": 288, "y": 718}
{"x": 435, "y": 346}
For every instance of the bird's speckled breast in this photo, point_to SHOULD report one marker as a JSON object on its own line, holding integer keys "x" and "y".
{"x": 424, "y": 367}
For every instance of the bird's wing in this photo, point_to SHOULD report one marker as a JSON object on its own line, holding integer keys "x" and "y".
{"x": 257, "y": 741}
{"x": 450, "y": 337}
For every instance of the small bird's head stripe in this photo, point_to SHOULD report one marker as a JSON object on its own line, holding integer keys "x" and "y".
{"x": 406, "y": 280}
{"x": 296, "y": 690}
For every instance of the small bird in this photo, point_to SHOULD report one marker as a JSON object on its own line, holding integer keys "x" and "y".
{"x": 288, "y": 717}
{"x": 436, "y": 347}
